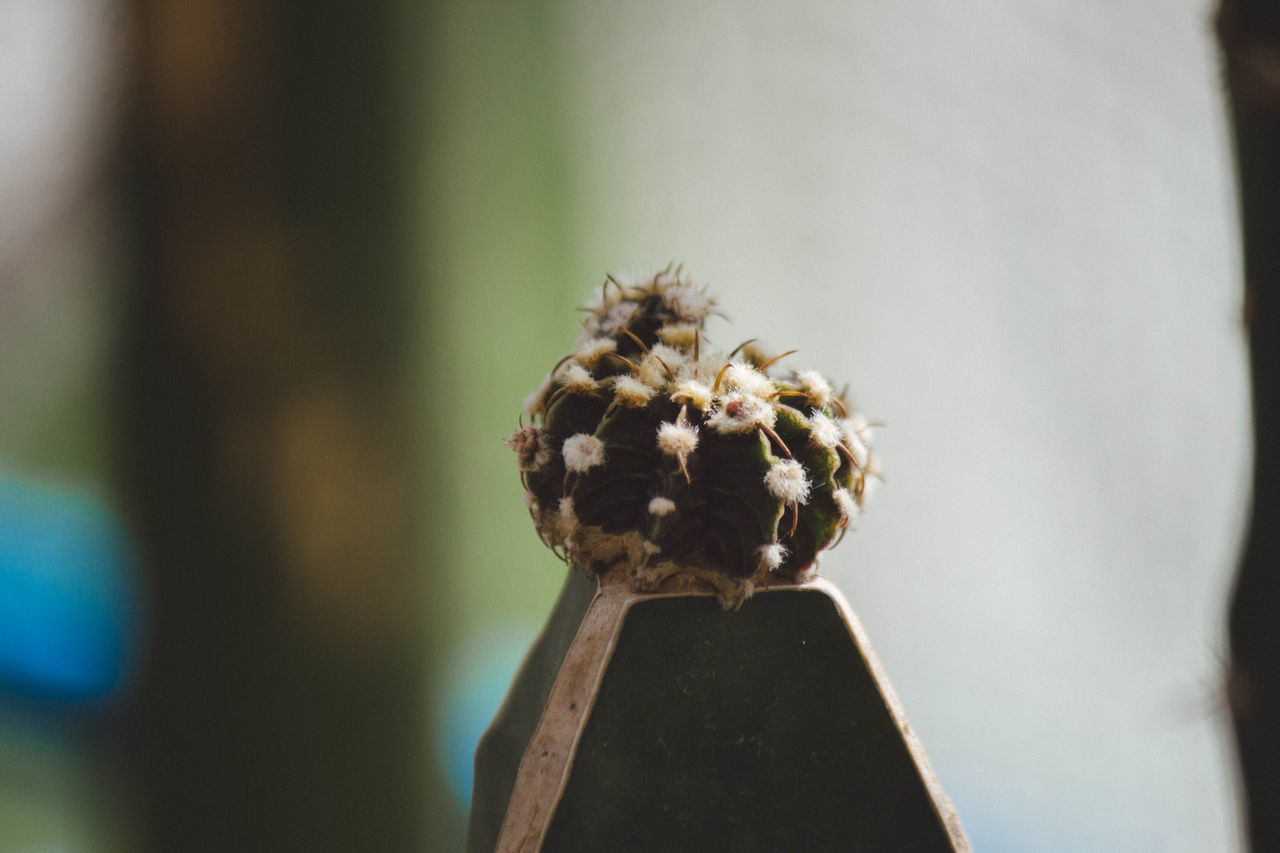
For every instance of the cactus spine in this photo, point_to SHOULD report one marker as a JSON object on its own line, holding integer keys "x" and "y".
{"x": 649, "y": 454}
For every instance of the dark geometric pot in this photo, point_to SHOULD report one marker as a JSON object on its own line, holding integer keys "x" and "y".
{"x": 663, "y": 722}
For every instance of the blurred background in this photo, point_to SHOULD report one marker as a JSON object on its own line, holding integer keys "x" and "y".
{"x": 276, "y": 276}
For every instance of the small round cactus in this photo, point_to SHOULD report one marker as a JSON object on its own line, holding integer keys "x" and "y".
{"x": 651, "y": 455}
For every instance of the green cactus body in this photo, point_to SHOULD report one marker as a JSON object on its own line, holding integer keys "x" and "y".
{"x": 653, "y": 457}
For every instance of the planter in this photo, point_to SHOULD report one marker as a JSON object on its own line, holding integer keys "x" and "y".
{"x": 669, "y": 723}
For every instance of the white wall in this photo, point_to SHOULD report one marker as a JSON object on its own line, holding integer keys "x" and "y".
{"x": 1010, "y": 226}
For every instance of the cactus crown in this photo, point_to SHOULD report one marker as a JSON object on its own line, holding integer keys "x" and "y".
{"x": 649, "y": 454}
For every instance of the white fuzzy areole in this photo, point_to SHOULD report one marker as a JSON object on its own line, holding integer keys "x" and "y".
{"x": 689, "y": 304}
{"x": 682, "y": 335}
{"x": 823, "y": 430}
{"x": 848, "y": 505}
{"x": 816, "y": 386}
{"x": 857, "y": 449}
{"x": 678, "y": 439}
{"x": 748, "y": 380}
{"x": 576, "y": 378}
{"x": 582, "y": 452}
{"x": 742, "y": 413}
{"x": 631, "y": 392}
{"x": 772, "y": 555}
{"x": 661, "y": 506}
{"x": 591, "y": 351}
{"x": 786, "y": 481}
{"x": 660, "y": 365}
{"x": 693, "y": 393}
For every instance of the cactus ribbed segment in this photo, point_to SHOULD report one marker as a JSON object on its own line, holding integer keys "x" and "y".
{"x": 653, "y": 455}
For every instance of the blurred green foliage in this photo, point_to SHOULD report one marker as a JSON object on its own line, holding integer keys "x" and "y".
{"x": 497, "y": 248}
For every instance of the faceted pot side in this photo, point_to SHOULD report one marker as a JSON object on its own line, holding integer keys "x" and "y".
{"x": 673, "y": 724}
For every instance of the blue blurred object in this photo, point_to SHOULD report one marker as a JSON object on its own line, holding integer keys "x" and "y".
{"x": 68, "y": 612}
{"x": 475, "y": 686}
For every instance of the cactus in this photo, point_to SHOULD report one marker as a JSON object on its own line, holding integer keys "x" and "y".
{"x": 651, "y": 454}
{"x": 646, "y": 717}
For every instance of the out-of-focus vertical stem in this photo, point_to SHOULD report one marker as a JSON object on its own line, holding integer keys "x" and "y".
{"x": 1249, "y": 32}
{"x": 268, "y": 426}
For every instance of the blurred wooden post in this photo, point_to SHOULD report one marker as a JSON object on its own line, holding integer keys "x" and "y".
{"x": 1249, "y": 32}
{"x": 269, "y": 426}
